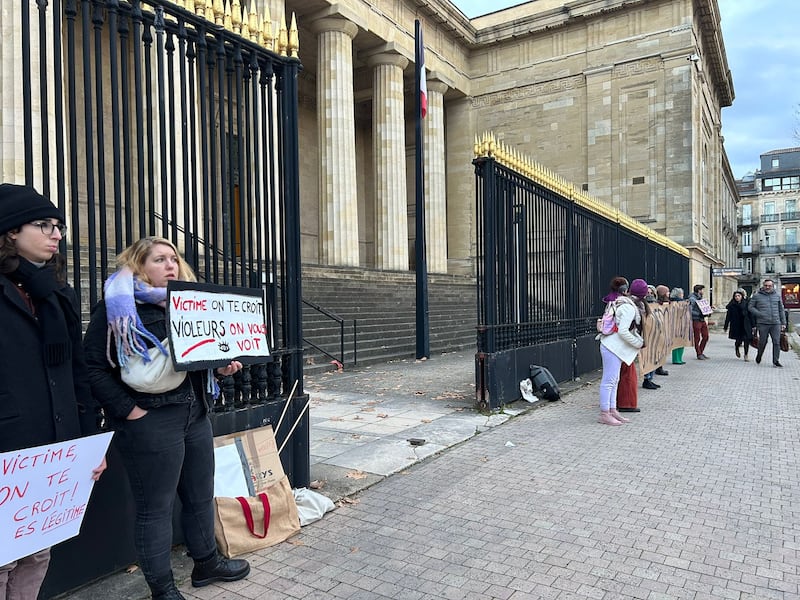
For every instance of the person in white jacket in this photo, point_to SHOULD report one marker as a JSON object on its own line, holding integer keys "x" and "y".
{"x": 622, "y": 345}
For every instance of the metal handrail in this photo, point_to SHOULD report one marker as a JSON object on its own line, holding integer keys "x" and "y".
{"x": 341, "y": 322}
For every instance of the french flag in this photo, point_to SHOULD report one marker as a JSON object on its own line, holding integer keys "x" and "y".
{"x": 423, "y": 85}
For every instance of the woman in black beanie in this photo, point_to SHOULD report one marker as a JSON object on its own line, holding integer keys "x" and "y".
{"x": 43, "y": 379}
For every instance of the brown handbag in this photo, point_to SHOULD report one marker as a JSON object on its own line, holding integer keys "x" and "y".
{"x": 754, "y": 339}
{"x": 784, "y": 342}
{"x": 246, "y": 524}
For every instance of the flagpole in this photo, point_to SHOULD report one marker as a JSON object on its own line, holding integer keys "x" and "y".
{"x": 423, "y": 337}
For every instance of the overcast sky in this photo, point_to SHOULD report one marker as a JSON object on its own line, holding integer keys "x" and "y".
{"x": 762, "y": 42}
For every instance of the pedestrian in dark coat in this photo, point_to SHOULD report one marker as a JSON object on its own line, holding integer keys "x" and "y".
{"x": 737, "y": 323}
{"x": 44, "y": 388}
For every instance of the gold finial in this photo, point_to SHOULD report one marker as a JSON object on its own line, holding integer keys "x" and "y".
{"x": 245, "y": 24}
{"x": 199, "y": 7}
{"x": 283, "y": 37}
{"x": 236, "y": 16}
{"x": 255, "y": 31}
{"x": 219, "y": 12}
{"x": 476, "y": 147}
{"x": 209, "y": 16}
{"x": 227, "y": 20}
{"x": 294, "y": 38}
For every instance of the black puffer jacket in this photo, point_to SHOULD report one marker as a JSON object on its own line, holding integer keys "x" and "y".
{"x": 116, "y": 398}
{"x": 40, "y": 404}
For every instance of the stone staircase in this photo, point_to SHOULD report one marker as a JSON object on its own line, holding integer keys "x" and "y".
{"x": 383, "y": 306}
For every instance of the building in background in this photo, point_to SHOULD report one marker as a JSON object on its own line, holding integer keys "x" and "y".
{"x": 768, "y": 223}
{"x": 621, "y": 97}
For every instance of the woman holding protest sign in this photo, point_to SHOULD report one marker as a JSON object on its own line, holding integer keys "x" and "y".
{"x": 161, "y": 419}
{"x": 43, "y": 384}
{"x": 619, "y": 346}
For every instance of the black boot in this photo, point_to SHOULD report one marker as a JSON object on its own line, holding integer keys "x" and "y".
{"x": 218, "y": 568}
{"x": 163, "y": 588}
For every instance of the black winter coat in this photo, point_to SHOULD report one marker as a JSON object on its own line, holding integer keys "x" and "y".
{"x": 40, "y": 404}
{"x": 116, "y": 398}
{"x": 737, "y": 321}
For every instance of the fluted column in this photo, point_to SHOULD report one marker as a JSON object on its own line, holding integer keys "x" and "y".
{"x": 389, "y": 161}
{"x": 336, "y": 130}
{"x": 435, "y": 177}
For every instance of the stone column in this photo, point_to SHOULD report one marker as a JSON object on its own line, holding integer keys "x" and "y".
{"x": 435, "y": 178}
{"x": 389, "y": 161}
{"x": 336, "y": 131}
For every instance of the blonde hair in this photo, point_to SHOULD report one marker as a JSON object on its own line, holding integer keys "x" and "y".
{"x": 135, "y": 255}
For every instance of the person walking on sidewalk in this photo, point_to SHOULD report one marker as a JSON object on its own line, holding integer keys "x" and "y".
{"x": 164, "y": 434}
{"x": 770, "y": 316}
{"x": 45, "y": 395}
{"x": 620, "y": 346}
{"x": 676, "y": 295}
{"x": 737, "y": 323}
{"x": 699, "y": 324}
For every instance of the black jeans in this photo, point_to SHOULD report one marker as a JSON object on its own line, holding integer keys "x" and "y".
{"x": 170, "y": 449}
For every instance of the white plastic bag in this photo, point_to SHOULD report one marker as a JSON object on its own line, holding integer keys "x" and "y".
{"x": 311, "y": 505}
{"x": 526, "y": 389}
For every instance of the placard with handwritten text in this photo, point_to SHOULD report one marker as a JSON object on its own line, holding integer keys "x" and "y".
{"x": 211, "y": 325}
{"x": 44, "y": 492}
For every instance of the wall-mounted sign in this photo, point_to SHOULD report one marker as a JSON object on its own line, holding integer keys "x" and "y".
{"x": 726, "y": 271}
{"x": 211, "y": 325}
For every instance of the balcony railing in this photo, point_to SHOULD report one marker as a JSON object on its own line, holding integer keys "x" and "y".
{"x": 770, "y": 218}
{"x": 751, "y": 222}
{"x": 790, "y": 216}
{"x": 749, "y": 249}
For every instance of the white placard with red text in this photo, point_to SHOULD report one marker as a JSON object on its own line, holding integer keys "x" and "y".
{"x": 44, "y": 492}
{"x": 211, "y": 325}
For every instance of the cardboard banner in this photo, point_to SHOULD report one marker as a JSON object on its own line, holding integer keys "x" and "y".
{"x": 44, "y": 492}
{"x": 211, "y": 325}
{"x": 668, "y": 326}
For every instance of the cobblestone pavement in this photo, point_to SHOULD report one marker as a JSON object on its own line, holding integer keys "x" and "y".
{"x": 696, "y": 498}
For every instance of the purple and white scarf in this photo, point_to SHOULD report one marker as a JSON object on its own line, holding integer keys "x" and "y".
{"x": 126, "y": 331}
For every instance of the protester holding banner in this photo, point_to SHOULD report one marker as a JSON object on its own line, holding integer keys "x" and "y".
{"x": 737, "y": 322}
{"x": 700, "y": 309}
{"x": 162, "y": 429}
{"x": 619, "y": 347}
{"x": 45, "y": 391}
{"x": 676, "y": 295}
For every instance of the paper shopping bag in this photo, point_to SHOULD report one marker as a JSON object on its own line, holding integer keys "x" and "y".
{"x": 259, "y": 457}
{"x": 246, "y": 524}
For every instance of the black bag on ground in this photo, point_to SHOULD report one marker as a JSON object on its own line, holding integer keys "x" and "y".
{"x": 544, "y": 383}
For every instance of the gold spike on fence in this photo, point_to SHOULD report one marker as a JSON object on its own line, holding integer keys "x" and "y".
{"x": 485, "y": 146}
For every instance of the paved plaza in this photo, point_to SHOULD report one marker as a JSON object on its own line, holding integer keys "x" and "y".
{"x": 695, "y": 498}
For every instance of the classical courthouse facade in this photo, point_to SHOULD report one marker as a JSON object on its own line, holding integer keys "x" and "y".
{"x": 621, "y": 97}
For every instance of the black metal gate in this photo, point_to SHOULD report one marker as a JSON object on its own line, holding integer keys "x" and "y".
{"x": 545, "y": 256}
{"x": 142, "y": 118}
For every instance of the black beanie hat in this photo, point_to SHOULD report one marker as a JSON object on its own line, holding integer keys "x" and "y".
{"x": 20, "y": 204}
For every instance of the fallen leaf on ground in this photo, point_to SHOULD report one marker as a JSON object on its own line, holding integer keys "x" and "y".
{"x": 353, "y": 549}
{"x": 132, "y": 569}
{"x": 317, "y": 484}
{"x": 419, "y": 393}
{"x": 356, "y": 418}
{"x": 426, "y": 421}
{"x": 369, "y": 409}
{"x": 336, "y": 419}
{"x": 356, "y": 475}
{"x": 296, "y": 542}
{"x": 382, "y": 415}
{"x": 355, "y": 436}
{"x": 347, "y": 500}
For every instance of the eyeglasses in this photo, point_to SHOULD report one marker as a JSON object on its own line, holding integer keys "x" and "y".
{"x": 47, "y": 227}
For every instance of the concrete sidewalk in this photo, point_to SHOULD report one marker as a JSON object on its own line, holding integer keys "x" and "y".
{"x": 694, "y": 499}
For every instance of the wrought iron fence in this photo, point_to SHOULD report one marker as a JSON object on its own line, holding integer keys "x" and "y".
{"x": 546, "y": 254}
